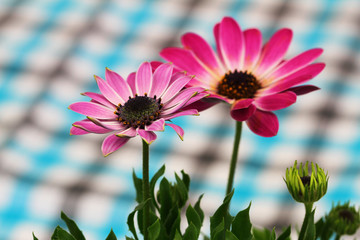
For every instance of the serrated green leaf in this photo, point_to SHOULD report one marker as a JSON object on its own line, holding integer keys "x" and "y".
{"x": 191, "y": 232}
{"x": 178, "y": 236}
{"x": 285, "y": 235}
{"x": 138, "y": 187}
{"x": 73, "y": 228}
{"x": 154, "y": 230}
{"x": 198, "y": 209}
{"x": 111, "y": 236}
{"x": 61, "y": 234}
{"x": 193, "y": 217}
{"x": 241, "y": 225}
{"x": 153, "y": 181}
{"x": 220, "y": 215}
{"x": 230, "y": 236}
{"x": 34, "y": 238}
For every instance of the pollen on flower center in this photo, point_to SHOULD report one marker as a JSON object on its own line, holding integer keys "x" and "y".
{"x": 237, "y": 85}
{"x": 139, "y": 111}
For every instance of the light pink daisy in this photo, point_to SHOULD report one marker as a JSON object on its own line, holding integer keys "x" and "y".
{"x": 255, "y": 80}
{"x": 138, "y": 106}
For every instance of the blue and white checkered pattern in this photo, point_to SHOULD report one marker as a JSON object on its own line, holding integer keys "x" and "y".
{"x": 49, "y": 51}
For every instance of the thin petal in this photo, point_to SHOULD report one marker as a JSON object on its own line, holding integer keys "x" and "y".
{"x": 243, "y": 114}
{"x": 155, "y": 65}
{"x": 109, "y": 124}
{"x": 112, "y": 143}
{"x": 179, "y": 114}
{"x": 274, "y": 51}
{"x": 297, "y": 78}
{"x": 202, "y": 51}
{"x": 178, "y": 130}
{"x": 175, "y": 88}
{"x": 242, "y": 103}
{"x": 231, "y": 43}
{"x": 180, "y": 100}
{"x": 196, "y": 98}
{"x": 202, "y": 104}
{"x": 301, "y": 90}
{"x": 129, "y": 132}
{"x": 296, "y": 63}
{"x": 108, "y": 92}
{"x": 143, "y": 79}
{"x": 148, "y": 137}
{"x": 93, "y": 110}
{"x": 77, "y": 131}
{"x": 276, "y": 101}
{"x": 162, "y": 76}
{"x": 121, "y": 87}
{"x": 253, "y": 41}
{"x": 185, "y": 60}
{"x": 158, "y": 125}
{"x": 262, "y": 123}
{"x": 90, "y": 127}
{"x": 99, "y": 99}
{"x": 131, "y": 81}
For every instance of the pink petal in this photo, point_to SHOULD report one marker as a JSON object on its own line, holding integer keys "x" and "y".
{"x": 253, "y": 41}
{"x": 178, "y": 130}
{"x": 109, "y": 124}
{"x": 263, "y": 123}
{"x": 220, "y": 97}
{"x": 196, "y": 98}
{"x": 129, "y": 132}
{"x": 148, "y": 137}
{"x": 231, "y": 43}
{"x": 121, "y": 87}
{"x": 143, "y": 79}
{"x": 296, "y": 63}
{"x": 77, "y": 131}
{"x": 162, "y": 76}
{"x": 155, "y": 65}
{"x": 99, "y": 99}
{"x": 179, "y": 114}
{"x": 90, "y": 127}
{"x": 242, "y": 103}
{"x": 108, "y": 92}
{"x": 274, "y": 51}
{"x": 276, "y": 101}
{"x": 243, "y": 114}
{"x": 185, "y": 60}
{"x": 202, "y": 51}
{"x": 217, "y": 40}
{"x": 174, "y": 88}
{"x": 301, "y": 90}
{"x": 180, "y": 100}
{"x": 131, "y": 81}
{"x": 158, "y": 125}
{"x": 112, "y": 143}
{"x": 299, "y": 77}
{"x": 202, "y": 104}
{"x": 93, "y": 110}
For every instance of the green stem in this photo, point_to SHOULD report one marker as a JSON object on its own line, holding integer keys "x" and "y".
{"x": 146, "y": 189}
{"x": 308, "y": 209}
{"x": 234, "y": 157}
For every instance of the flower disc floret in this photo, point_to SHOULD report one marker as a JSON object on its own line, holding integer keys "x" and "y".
{"x": 343, "y": 219}
{"x": 306, "y": 187}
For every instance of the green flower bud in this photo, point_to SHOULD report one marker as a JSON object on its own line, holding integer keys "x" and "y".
{"x": 303, "y": 186}
{"x": 343, "y": 219}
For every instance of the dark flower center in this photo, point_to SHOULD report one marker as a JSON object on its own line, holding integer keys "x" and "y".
{"x": 237, "y": 85}
{"x": 305, "y": 180}
{"x": 347, "y": 215}
{"x": 139, "y": 111}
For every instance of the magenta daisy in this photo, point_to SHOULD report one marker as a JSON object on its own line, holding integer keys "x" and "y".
{"x": 255, "y": 80}
{"x": 138, "y": 106}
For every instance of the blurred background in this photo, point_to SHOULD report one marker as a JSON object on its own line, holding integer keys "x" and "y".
{"x": 49, "y": 52}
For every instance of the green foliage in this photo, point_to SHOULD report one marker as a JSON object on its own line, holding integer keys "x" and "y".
{"x": 73, "y": 228}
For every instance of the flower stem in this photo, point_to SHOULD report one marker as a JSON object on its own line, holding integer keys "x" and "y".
{"x": 234, "y": 157}
{"x": 146, "y": 189}
{"x": 308, "y": 215}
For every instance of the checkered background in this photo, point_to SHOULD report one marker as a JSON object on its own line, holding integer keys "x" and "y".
{"x": 49, "y": 52}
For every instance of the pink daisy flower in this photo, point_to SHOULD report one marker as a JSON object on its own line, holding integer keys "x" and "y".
{"x": 255, "y": 80}
{"x": 138, "y": 106}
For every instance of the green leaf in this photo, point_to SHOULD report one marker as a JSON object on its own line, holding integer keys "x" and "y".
{"x": 182, "y": 191}
{"x": 186, "y": 179}
{"x": 61, "y": 234}
{"x": 34, "y": 238}
{"x": 220, "y": 215}
{"x": 130, "y": 220}
{"x": 218, "y": 233}
{"x": 230, "y": 236}
{"x": 111, "y": 236}
{"x": 138, "y": 187}
{"x": 154, "y": 230}
{"x": 193, "y": 217}
{"x": 261, "y": 234}
{"x": 198, "y": 208}
{"x": 285, "y": 235}
{"x": 191, "y": 233}
{"x": 165, "y": 199}
{"x": 153, "y": 181}
{"x": 241, "y": 225}
{"x": 73, "y": 228}
{"x": 273, "y": 234}
{"x": 310, "y": 230}
{"x": 177, "y": 236}
{"x": 172, "y": 221}
{"x": 129, "y": 238}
